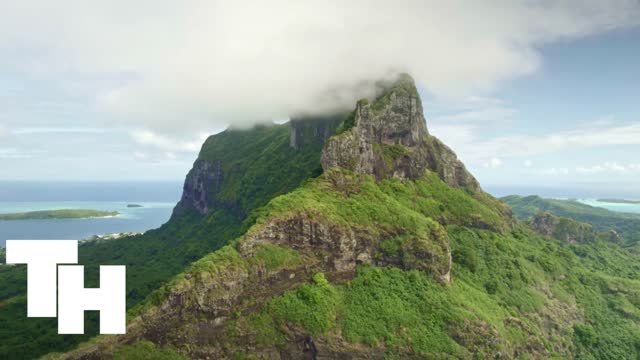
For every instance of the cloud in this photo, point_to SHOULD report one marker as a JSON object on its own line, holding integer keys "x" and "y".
{"x": 608, "y": 168}
{"x": 3, "y": 131}
{"x": 159, "y": 141}
{"x": 54, "y": 130}
{"x": 13, "y": 153}
{"x": 472, "y": 149}
{"x": 555, "y": 171}
{"x": 493, "y": 163}
{"x": 528, "y": 163}
{"x": 201, "y": 64}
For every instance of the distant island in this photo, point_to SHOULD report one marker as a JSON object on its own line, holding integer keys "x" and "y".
{"x": 134, "y": 205}
{"x": 58, "y": 214}
{"x": 619, "y": 201}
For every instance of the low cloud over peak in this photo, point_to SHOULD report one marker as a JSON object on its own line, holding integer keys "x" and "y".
{"x": 189, "y": 67}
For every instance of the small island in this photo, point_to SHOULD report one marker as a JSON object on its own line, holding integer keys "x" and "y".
{"x": 134, "y": 205}
{"x": 59, "y": 214}
{"x": 619, "y": 201}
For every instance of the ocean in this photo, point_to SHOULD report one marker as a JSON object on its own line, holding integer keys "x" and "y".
{"x": 584, "y": 194}
{"x": 157, "y": 200}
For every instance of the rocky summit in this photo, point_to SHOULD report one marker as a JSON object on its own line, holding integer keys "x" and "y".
{"x": 355, "y": 236}
{"x": 388, "y": 137}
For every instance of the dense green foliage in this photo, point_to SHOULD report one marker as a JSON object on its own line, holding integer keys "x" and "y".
{"x": 533, "y": 283}
{"x": 626, "y": 224}
{"x": 146, "y": 350}
{"x": 58, "y": 214}
{"x": 410, "y": 206}
{"x": 258, "y": 164}
{"x": 514, "y": 292}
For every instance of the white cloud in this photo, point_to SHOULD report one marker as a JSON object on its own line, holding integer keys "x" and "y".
{"x": 199, "y": 64}
{"x": 13, "y": 153}
{"x": 561, "y": 171}
{"x": 528, "y": 163}
{"x": 471, "y": 148}
{"x": 493, "y": 163}
{"x": 3, "y": 131}
{"x": 138, "y": 155}
{"x": 52, "y": 130}
{"x": 146, "y": 137}
{"x": 608, "y": 168}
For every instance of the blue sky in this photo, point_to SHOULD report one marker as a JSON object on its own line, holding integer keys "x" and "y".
{"x": 548, "y": 96}
{"x": 579, "y": 112}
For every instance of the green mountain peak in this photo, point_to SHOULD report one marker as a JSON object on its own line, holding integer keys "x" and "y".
{"x": 356, "y": 235}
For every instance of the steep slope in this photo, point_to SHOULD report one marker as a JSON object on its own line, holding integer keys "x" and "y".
{"x": 389, "y": 138}
{"x": 251, "y": 167}
{"x": 387, "y": 254}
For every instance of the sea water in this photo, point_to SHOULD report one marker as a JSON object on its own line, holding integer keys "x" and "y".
{"x": 620, "y": 207}
{"x": 157, "y": 200}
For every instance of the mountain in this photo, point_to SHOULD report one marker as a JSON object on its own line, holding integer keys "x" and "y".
{"x": 238, "y": 171}
{"x": 390, "y": 250}
{"x": 621, "y": 227}
{"x": 358, "y": 235}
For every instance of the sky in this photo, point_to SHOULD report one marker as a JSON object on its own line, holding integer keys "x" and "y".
{"x": 540, "y": 93}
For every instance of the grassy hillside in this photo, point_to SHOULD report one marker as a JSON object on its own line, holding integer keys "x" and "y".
{"x": 58, "y": 214}
{"x": 513, "y": 293}
{"x": 626, "y": 224}
{"x": 290, "y": 262}
{"x": 260, "y": 165}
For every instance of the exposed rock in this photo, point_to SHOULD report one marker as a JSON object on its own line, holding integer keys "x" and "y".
{"x": 199, "y": 305}
{"x": 312, "y": 130}
{"x": 563, "y": 229}
{"x": 389, "y": 138}
{"x": 309, "y": 233}
{"x": 612, "y": 236}
{"x": 201, "y": 185}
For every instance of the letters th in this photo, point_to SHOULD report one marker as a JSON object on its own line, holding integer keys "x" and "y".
{"x": 45, "y": 276}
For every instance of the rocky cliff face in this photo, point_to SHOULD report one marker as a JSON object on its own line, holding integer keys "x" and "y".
{"x": 199, "y": 306}
{"x": 389, "y": 138}
{"x": 213, "y": 182}
{"x": 328, "y": 226}
{"x": 202, "y": 183}
{"x": 563, "y": 229}
{"x": 312, "y": 130}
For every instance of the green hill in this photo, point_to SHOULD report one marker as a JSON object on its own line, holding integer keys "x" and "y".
{"x": 627, "y": 225}
{"x": 256, "y": 165}
{"x": 376, "y": 242}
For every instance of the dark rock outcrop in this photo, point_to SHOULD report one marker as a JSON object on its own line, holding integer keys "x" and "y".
{"x": 389, "y": 138}
{"x": 198, "y": 307}
{"x": 204, "y": 183}
{"x": 312, "y": 130}
{"x": 201, "y": 185}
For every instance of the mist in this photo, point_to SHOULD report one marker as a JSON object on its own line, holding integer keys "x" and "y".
{"x": 188, "y": 67}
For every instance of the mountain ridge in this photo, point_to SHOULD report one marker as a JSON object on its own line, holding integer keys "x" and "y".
{"x": 290, "y": 271}
{"x": 286, "y": 247}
